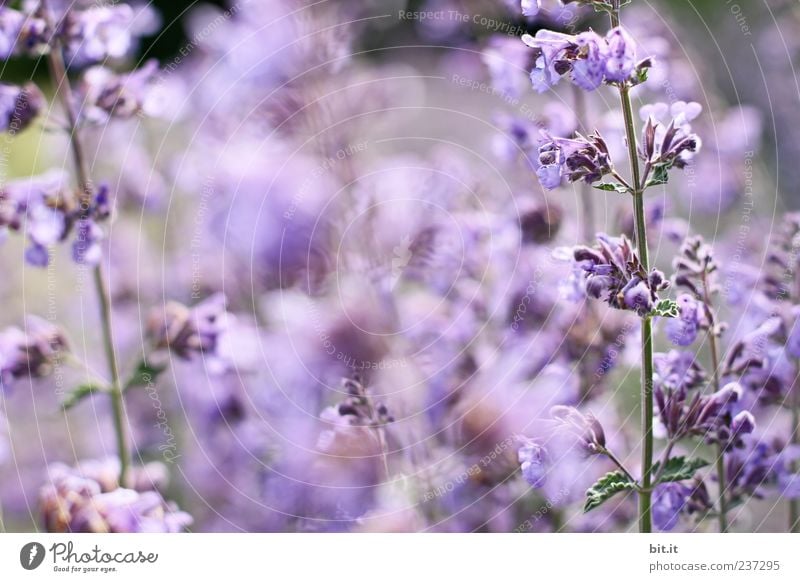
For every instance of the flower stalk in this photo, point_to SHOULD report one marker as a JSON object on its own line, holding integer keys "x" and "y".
{"x": 645, "y": 495}
{"x": 60, "y": 79}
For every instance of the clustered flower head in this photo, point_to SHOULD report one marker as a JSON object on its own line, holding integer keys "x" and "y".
{"x": 585, "y": 428}
{"x": 684, "y": 412}
{"x": 31, "y": 352}
{"x": 186, "y": 331}
{"x": 696, "y": 272}
{"x": 19, "y": 106}
{"x": 581, "y": 159}
{"x": 533, "y": 460}
{"x": 357, "y": 411}
{"x": 763, "y": 465}
{"x": 782, "y": 259}
{"x": 88, "y": 499}
{"x": 88, "y": 34}
{"x": 105, "y": 94}
{"x": 668, "y": 145}
{"x": 614, "y": 273}
{"x": 48, "y": 211}
{"x": 588, "y": 58}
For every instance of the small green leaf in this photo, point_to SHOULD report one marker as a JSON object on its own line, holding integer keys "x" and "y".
{"x": 679, "y": 469}
{"x": 611, "y": 187}
{"x": 606, "y": 487}
{"x": 666, "y": 308}
{"x": 79, "y": 393}
{"x": 660, "y": 176}
{"x": 144, "y": 375}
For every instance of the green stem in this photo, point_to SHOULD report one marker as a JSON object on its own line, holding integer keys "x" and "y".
{"x": 586, "y": 199}
{"x": 645, "y": 496}
{"x": 794, "y": 504}
{"x": 720, "y": 463}
{"x": 58, "y": 72}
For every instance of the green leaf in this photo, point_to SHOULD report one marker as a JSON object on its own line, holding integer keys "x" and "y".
{"x": 679, "y": 469}
{"x": 144, "y": 375}
{"x": 611, "y": 187}
{"x": 78, "y": 394}
{"x": 660, "y": 176}
{"x": 666, "y": 308}
{"x": 606, "y": 487}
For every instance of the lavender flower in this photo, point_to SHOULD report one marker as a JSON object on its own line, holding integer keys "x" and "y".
{"x": 669, "y": 501}
{"x": 613, "y": 272}
{"x": 186, "y": 331}
{"x": 87, "y": 500}
{"x": 683, "y": 330}
{"x": 533, "y": 461}
{"x": 590, "y": 58}
{"x": 97, "y": 33}
{"x": 19, "y": 106}
{"x": 584, "y": 427}
{"x": 106, "y": 95}
{"x": 30, "y": 353}
{"x": 582, "y": 159}
{"x": 530, "y": 7}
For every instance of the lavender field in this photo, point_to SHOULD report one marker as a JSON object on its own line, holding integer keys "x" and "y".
{"x": 399, "y": 266}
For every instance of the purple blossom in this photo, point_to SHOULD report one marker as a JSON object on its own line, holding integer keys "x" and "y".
{"x": 19, "y": 106}
{"x": 533, "y": 463}
{"x": 106, "y": 95}
{"x": 530, "y": 7}
{"x": 82, "y": 500}
{"x": 683, "y": 330}
{"x": 585, "y": 428}
{"x": 581, "y": 159}
{"x": 590, "y": 58}
{"x": 97, "y": 33}
{"x": 613, "y": 272}
{"x": 669, "y": 501}
{"x": 31, "y": 352}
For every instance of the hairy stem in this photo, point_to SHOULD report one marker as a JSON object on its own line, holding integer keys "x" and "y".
{"x": 645, "y": 496}
{"x": 58, "y": 72}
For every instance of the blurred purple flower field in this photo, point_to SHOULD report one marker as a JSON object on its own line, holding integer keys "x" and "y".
{"x": 400, "y": 266}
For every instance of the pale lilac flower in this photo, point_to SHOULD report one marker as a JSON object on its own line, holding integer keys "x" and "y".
{"x": 533, "y": 460}
{"x": 97, "y": 33}
{"x": 19, "y": 106}
{"x": 530, "y": 7}
{"x": 669, "y": 500}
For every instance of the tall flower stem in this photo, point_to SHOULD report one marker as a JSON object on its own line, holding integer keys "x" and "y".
{"x": 645, "y": 495}
{"x": 720, "y": 463}
{"x": 58, "y": 73}
{"x": 794, "y": 504}
{"x": 586, "y": 199}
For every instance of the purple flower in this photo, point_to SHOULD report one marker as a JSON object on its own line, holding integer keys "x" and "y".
{"x": 584, "y": 158}
{"x": 86, "y": 500}
{"x": 97, "y": 33}
{"x": 19, "y": 106}
{"x": 106, "y": 95}
{"x": 620, "y": 62}
{"x": 682, "y": 330}
{"x": 590, "y": 58}
{"x": 587, "y": 72}
{"x": 669, "y": 500}
{"x": 530, "y": 7}
{"x": 31, "y": 352}
{"x": 86, "y": 249}
{"x": 533, "y": 463}
{"x": 22, "y": 33}
{"x": 584, "y": 427}
{"x": 613, "y": 272}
